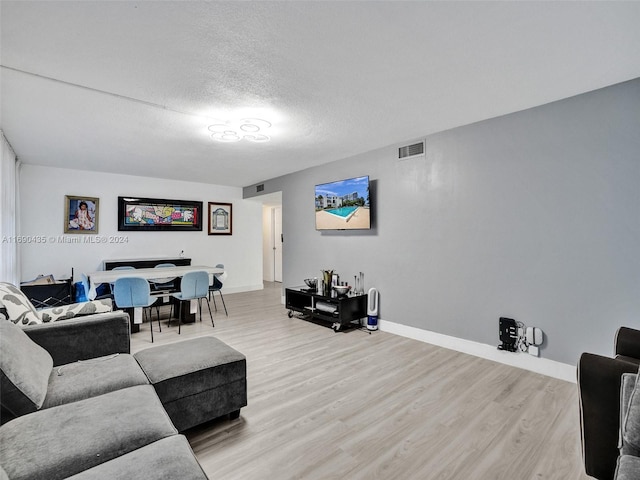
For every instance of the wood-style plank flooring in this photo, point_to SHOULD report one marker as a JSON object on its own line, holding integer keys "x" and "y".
{"x": 350, "y": 405}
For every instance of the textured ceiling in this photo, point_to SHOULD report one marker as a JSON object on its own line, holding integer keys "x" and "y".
{"x": 130, "y": 87}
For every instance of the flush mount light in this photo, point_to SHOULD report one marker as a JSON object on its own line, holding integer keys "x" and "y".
{"x": 250, "y": 129}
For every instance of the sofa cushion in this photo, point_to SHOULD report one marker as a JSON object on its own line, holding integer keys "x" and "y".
{"x": 168, "y": 458}
{"x": 58, "y": 442}
{"x": 16, "y": 307}
{"x": 24, "y": 371}
{"x": 628, "y": 468}
{"x": 90, "y": 378}
{"x": 630, "y": 424}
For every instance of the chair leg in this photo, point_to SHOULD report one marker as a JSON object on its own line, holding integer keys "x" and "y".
{"x": 150, "y": 322}
{"x": 215, "y": 305}
{"x": 179, "y": 316}
{"x": 210, "y": 314}
{"x": 171, "y": 312}
{"x": 200, "y": 307}
{"x": 223, "y": 304}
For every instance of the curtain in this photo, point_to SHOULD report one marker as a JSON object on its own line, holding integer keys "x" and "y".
{"x": 9, "y": 171}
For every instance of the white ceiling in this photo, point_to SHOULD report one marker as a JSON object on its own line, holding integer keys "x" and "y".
{"x": 130, "y": 87}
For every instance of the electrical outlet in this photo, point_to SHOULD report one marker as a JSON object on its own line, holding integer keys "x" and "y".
{"x": 533, "y": 350}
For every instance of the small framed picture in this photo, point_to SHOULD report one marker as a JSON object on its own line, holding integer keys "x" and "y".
{"x": 220, "y": 220}
{"x": 80, "y": 214}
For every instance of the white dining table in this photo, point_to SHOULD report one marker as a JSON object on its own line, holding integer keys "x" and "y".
{"x": 110, "y": 276}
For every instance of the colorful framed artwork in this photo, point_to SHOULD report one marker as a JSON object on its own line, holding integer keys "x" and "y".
{"x": 220, "y": 218}
{"x": 148, "y": 214}
{"x": 80, "y": 214}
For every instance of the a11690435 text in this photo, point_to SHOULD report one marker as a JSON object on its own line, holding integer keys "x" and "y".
{"x": 53, "y": 239}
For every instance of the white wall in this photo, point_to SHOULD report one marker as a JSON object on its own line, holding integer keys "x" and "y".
{"x": 42, "y": 194}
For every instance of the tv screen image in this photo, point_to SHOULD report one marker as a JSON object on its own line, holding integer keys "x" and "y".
{"x": 343, "y": 205}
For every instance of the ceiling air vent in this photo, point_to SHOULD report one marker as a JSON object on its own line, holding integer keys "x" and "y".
{"x": 411, "y": 150}
{"x": 260, "y": 188}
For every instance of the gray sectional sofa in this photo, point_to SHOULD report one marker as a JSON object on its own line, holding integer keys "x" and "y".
{"x": 606, "y": 417}
{"x": 76, "y": 404}
{"x": 628, "y": 465}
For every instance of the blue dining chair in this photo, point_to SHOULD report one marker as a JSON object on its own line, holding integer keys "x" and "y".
{"x": 194, "y": 285}
{"x": 216, "y": 286}
{"x": 134, "y": 292}
{"x": 163, "y": 283}
{"x": 121, "y": 267}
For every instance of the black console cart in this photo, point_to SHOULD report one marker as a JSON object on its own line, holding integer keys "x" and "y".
{"x": 327, "y": 307}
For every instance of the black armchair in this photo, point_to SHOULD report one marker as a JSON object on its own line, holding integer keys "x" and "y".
{"x": 599, "y": 380}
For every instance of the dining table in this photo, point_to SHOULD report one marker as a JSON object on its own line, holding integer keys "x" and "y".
{"x": 110, "y": 276}
{"x": 151, "y": 274}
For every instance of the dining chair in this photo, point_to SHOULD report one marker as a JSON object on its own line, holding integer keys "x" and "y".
{"x": 163, "y": 283}
{"x": 216, "y": 286}
{"x": 134, "y": 292}
{"x": 163, "y": 287}
{"x": 194, "y": 285}
{"x": 84, "y": 281}
{"x": 121, "y": 267}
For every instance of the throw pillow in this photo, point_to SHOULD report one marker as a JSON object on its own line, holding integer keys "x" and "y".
{"x": 25, "y": 368}
{"x": 16, "y": 307}
{"x": 76, "y": 310}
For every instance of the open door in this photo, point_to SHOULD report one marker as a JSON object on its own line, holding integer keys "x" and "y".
{"x": 272, "y": 237}
{"x": 277, "y": 243}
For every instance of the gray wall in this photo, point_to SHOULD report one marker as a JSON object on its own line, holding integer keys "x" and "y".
{"x": 533, "y": 215}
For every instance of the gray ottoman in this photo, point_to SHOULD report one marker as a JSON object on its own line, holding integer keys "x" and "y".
{"x": 197, "y": 380}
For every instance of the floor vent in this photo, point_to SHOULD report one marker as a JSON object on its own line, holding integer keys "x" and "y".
{"x": 260, "y": 188}
{"x": 411, "y": 150}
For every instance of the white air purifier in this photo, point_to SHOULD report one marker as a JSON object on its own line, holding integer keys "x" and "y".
{"x": 372, "y": 309}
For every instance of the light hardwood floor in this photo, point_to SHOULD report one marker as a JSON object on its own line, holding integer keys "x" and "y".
{"x": 350, "y": 405}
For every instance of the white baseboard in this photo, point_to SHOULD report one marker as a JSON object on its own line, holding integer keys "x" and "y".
{"x": 543, "y": 366}
{"x": 243, "y": 288}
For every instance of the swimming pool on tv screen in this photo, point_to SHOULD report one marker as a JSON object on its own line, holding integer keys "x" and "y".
{"x": 343, "y": 212}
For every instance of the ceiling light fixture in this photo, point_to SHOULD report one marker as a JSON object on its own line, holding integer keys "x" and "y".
{"x": 250, "y": 129}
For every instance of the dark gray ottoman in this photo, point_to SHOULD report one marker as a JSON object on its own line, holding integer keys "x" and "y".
{"x": 197, "y": 380}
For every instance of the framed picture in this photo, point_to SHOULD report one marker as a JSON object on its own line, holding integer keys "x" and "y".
{"x": 80, "y": 214}
{"x": 220, "y": 220}
{"x": 144, "y": 214}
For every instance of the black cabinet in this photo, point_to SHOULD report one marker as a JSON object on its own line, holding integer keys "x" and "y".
{"x": 145, "y": 262}
{"x": 328, "y": 308}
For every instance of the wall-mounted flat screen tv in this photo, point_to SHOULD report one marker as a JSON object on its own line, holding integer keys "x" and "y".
{"x": 343, "y": 205}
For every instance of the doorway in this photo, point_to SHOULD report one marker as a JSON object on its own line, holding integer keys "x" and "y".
{"x": 272, "y": 239}
{"x": 277, "y": 243}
